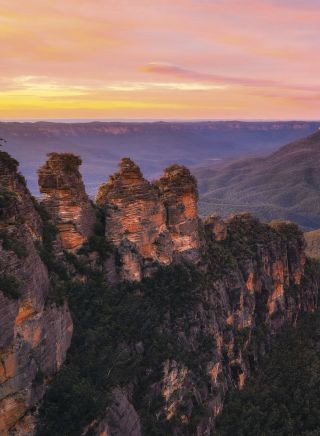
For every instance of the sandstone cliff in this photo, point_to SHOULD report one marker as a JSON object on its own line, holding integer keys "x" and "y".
{"x": 64, "y": 197}
{"x": 155, "y": 354}
{"x": 34, "y": 338}
{"x": 150, "y": 223}
{"x": 206, "y": 301}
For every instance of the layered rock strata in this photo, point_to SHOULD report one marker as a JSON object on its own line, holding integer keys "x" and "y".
{"x": 150, "y": 223}
{"x": 34, "y": 338}
{"x": 178, "y": 190}
{"x": 65, "y": 198}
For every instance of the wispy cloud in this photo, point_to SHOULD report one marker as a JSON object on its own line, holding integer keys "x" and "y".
{"x": 214, "y": 58}
{"x": 183, "y": 73}
{"x": 176, "y": 71}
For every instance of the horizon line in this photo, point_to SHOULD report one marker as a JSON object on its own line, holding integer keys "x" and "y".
{"x": 153, "y": 120}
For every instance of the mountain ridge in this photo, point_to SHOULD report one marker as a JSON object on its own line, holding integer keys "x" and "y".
{"x": 152, "y": 145}
{"x": 284, "y": 184}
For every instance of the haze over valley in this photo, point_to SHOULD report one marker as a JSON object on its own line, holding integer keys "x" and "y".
{"x": 153, "y": 145}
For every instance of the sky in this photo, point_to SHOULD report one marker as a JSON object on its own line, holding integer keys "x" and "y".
{"x": 160, "y": 59}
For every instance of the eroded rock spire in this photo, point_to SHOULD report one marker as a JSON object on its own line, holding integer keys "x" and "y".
{"x": 65, "y": 198}
{"x": 150, "y": 223}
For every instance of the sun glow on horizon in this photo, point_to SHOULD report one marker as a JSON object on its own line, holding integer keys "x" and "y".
{"x": 171, "y": 59}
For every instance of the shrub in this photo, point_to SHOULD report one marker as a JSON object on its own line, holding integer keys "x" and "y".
{"x": 11, "y": 243}
{"x": 8, "y": 162}
{"x": 97, "y": 242}
{"x": 7, "y": 198}
{"x": 9, "y": 285}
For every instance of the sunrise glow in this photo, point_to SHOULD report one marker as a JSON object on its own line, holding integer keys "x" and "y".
{"x": 178, "y": 59}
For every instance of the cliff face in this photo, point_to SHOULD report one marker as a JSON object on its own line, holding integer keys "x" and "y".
{"x": 155, "y": 355}
{"x": 34, "y": 337}
{"x": 212, "y": 324}
{"x": 254, "y": 284}
{"x": 66, "y": 200}
{"x": 150, "y": 223}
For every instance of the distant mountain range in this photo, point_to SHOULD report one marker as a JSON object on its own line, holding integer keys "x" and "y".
{"x": 285, "y": 184}
{"x": 153, "y": 145}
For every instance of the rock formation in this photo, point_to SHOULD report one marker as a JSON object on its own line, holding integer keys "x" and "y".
{"x": 254, "y": 286}
{"x": 150, "y": 223}
{"x": 120, "y": 419}
{"x": 66, "y": 200}
{"x": 215, "y": 225}
{"x": 135, "y": 219}
{"x": 206, "y": 298}
{"x": 179, "y": 194}
{"x": 34, "y": 338}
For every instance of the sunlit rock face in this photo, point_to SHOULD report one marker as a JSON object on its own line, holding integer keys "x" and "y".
{"x": 179, "y": 194}
{"x": 135, "y": 219}
{"x": 155, "y": 221}
{"x": 34, "y": 338}
{"x": 65, "y": 198}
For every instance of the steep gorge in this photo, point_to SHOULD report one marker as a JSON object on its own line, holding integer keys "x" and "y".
{"x": 170, "y": 312}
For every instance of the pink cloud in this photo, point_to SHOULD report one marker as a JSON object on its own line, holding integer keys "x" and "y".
{"x": 183, "y": 73}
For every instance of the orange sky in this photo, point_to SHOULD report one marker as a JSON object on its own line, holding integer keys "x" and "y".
{"x": 160, "y": 59}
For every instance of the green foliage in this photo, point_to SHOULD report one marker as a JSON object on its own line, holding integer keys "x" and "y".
{"x": 219, "y": 259}
{"x": 9, "y": 285}
{"x": 97, "y": 242}
{"x": 7, "y": 198}
{"x": 22, "y": 179}
{"x": 289, "y": 231}
{"x": 246, "y": 234}
{"x": 8, "y": 162}
{"x": 11, "y": 243}
{"x": 70, "y": 161}
{"x": 58, "y": 275}
{"x": 108, "y": 322}
{"x": 283, "y": 398}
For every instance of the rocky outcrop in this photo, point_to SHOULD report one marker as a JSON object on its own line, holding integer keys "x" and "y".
{"x": 34, "y": 338}
{"x": 150, "y": 223}
{"x": 135, "y": 219}
{"x": 179, "y": 194}
{"x": 120, "y": 419}
{"x": 210, "y": 296}
{"x": 65, "y": 198}
{"x": 215, "y": 225}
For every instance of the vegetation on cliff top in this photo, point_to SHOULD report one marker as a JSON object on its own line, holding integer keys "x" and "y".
{"x": 68, "y": 161}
